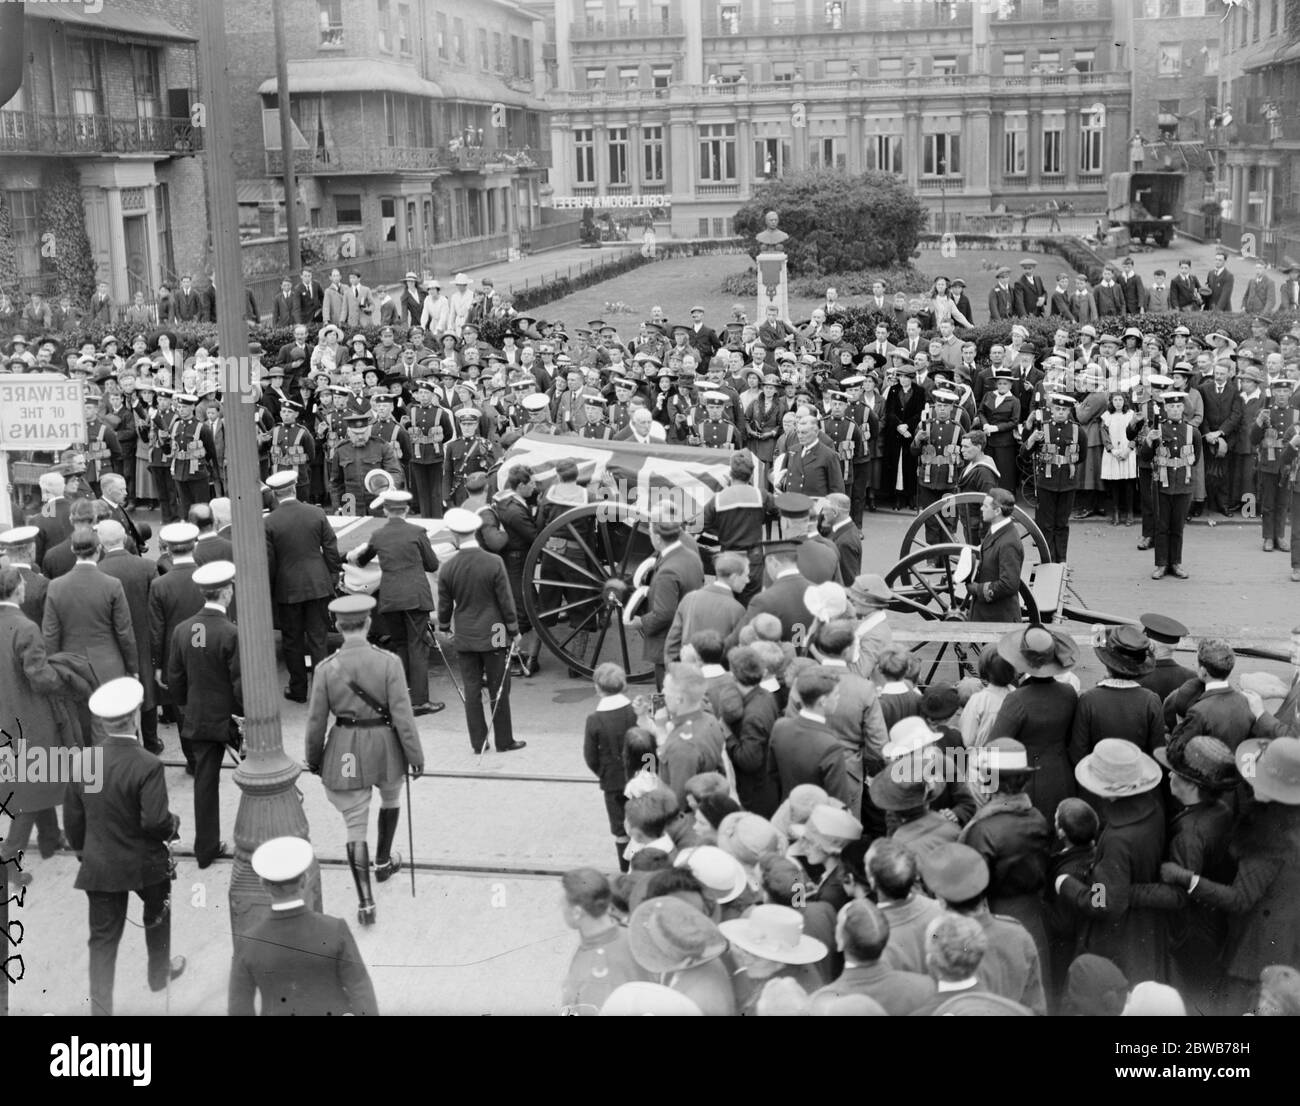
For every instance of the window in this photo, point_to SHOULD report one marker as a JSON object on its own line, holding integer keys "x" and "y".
{"x": 1167, "y": 119}
{"x": 1051, "y": 9}
{"x": 827, "y": 153}
{"x": 837, "y": 69}
{"x": 585, "y": 147}
{"x": 444, "y": 42}
{"x": 885, "y": 153}
{"x": 1211, "y": 59}
{"x": 834, "y": 14}
{"x": 652, "y": 154}
{"x": 1084, "y": 61}
{"x": 660, "y": 76}
{"x": 1049, "y": 61}
{"x": 484, "y": 58}
{"x": 1276, "y": 7}
{"x": 1013, "y": 65}
{"x": 87, "y": 99}
{"x": 729, "y": 19}
{"x": 783, "y": 71}
{"x": 331, "y": 23}
{"x": 347, "y": 207}
{"x": 1168, "y": 9}
{"x": 144, "y": 65}
{"x": 629, "y": 78}
{"x": 1170, "y": 59}
{"x": 1015, "y": 145}
{"x": 594, "y": 11}
{"x": 458, "y": 39}
{"x": 1193, "y": 9}
{"x": 783, "y": 13}
{"x": 618, "y": 165}
{"x": 891, "y": 68}
{"x": 528, "y": 58}
{"x": 1010, "y": 9}
{"x": 944, "y": 67}
{"x": 13, "y": 120}
{"x": 23, "y": 208}
{"x": 404, "y": 28}
{"x": 385, "y": 25}
{"x": 771, "y": 157}
{"x": 731, "y": 74}
{"x": 1090, "y": 144}
{"x": 1254, "y": 14}
{"x": 717, "y": 152}
{"x": 1053, "y": 143}
{"x": 941, "y": 155}
{"x": 704, "y": 228}
{"x": 595, "y": 78}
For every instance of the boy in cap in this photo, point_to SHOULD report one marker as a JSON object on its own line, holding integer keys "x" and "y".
{"x": 301, "y": 962}
{"x": 120, "y": 832}
{"x": 373, "y": 742}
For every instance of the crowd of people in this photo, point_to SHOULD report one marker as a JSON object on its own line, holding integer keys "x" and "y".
{"x": 800, "y": 827}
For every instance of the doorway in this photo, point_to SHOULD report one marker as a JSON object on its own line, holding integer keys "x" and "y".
{"x": 138, "y": 262}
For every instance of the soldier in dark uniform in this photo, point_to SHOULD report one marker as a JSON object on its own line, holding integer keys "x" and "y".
{"x": 515, "y": 514}
{"x": 738, "y": 516}
{"x": 1175, "y": 448}
{"x": 373, "y": 742}
{"x": 715, "y": 430}
{"x": 432, "y": 427}
{"x": 620, "y": 411}
{"x": 392, "y": 433}
{"x": 468, "y": 453}
{"x": 596, "y": 425}
{"x": 103, "y": 451}
{"x": 937, "y": 447}
{"x": 292, "y": 448}
{"x": 119, "y": 831}
{"x": 330, "y": 430}
{"x": 845, "y": 435}
{"x": 1057, "y": 449}
{"x": 1168, "y": 675}
{"x": 302, "y": 963}
{"x": 357, "y": 457}
{"x": 862, "y": 495}
{"x": 191, "y": 456}
{"x": 1271, "y": 430}
{"x": 1147, "y": 412}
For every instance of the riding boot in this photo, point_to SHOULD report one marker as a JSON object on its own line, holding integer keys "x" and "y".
{"x": 623, "y": 863}
{"x": 387, "y": 863}
{"x": 359, "y": 862}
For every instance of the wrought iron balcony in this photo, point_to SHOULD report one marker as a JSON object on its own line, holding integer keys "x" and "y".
{"x": 477, "y": 158}
{"x": 26, "y": 132}
{"x": 596, "y": 30}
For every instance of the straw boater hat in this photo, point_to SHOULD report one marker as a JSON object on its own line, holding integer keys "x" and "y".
{"x": 1037, "y": 651}
{"x": 774, "y": 933}
{"x": 1272, "y": 768}
{"x": 1205, "y": 761}
{"x": 1005, "y": 756}
{"x": 639, "y": 999}
{"x": 1127, "y": 652}
{"x": 1116, "y": 769}
{"x": 721, "y": 875}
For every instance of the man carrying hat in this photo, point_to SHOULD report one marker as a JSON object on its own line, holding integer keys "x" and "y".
{"x": 204, "y": 678}
{"x": 357, "y": 458}
{"x": 677, "y": 571}
{"x": 474, "y": 589}
{"x": 119, "y": 831}
{"x": 301, "y": 963}
{"x": 372, "y": 744}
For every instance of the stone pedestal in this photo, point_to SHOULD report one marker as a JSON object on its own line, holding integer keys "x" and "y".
{"x": 773, "y": 285}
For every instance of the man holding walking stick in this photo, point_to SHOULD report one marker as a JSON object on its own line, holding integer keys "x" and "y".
{"x": 474, "y": 590}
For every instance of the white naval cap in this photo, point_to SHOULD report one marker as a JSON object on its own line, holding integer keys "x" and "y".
{"x": 461, "y": 521}
{"x": 285, "y": 478}
{"x": 536, "y": 402}
{"x": 19, "y": 535}
{"x": 178, "y": 533}
{"x": 282, "y": 859}
{"x": 214, "y": 574}
{"x": 117, "y": 698}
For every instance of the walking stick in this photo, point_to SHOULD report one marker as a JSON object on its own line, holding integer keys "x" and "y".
{"x": 410, "y": 832}
{"x": 505, "y": 675}
{"x": 447, "y": 664}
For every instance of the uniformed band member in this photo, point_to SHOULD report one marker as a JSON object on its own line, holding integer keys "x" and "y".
{"x": 1057, "y": 450}
{"x": 474, "y": 595}
{"x": 716, "y": 431}
{"x": 300, "y": 962}
{"x": 103, "y": 451}
{"x": 293, "y": 448}
{"x": 1273, "y": 428}
{"x": 432, "y": 427}
{"x": 373, "y": 742}
{"x": 1174, "y": 449}
{"x": 119, "y": 831}
{"x": 192, "y": 454}
{"x": 937, "y": 447}
{"x": 468, "y": 453}
{"x": 596, "y": 426}
{"x": 358, "y": 456}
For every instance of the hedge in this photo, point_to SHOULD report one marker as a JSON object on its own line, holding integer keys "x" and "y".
{"x": 897, "y": 278}
{"x": 1078, "y": 256}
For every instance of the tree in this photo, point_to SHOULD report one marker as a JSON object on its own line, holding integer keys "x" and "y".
{"x": 65, "y": 246}
{"x": 8, "y": 250}
{"x": 838, "y": 222}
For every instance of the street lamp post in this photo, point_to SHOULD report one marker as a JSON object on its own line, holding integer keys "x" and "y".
{"x": 943, "y": 196}
{"x": 269, "y": 806}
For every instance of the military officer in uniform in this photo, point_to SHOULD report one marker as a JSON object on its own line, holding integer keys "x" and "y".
{"x": 540, "y": 422}
{"x": 596, "y": 426}
{"x": 18, "y": 548}
{"x": 468, "y": 453}
{"x": 373, "y": 742}
{"x": 119, "y": 831}
{"x": 620, "y": 411}
{"x": 292, "y": 448}
{"x": 356, "y": 457}
{"x": 301, "y": 963}
{"x": 845, "y": 435}
{"x": 1057, "y": 449}
{"x": 715, "y": 430}
{"x": 432, "y": 427}
{"x": 1272, "y": 429}
{"x": 192, "y": 452}
{"x": 391, "y": 432}
{"x": 1174, "y": 449}
{"x": 103, "y": 451}
{"x": 937, "y": 447}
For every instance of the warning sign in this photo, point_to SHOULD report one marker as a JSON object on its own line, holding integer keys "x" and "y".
{"x": 40, "y": 412}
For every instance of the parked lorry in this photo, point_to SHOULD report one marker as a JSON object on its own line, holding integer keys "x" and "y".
{"x": 1146, "y": 204}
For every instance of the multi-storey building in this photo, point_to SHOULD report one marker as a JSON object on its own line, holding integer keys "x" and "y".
{"x": 1177, "y": 48}
{"x": 1259, "y": 139}
{"x": 111, "y": 89}
{"x": 974, "y": 104}
{"x": 418, "y": 121}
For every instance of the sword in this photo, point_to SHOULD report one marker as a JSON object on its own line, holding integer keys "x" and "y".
{"x": 496, "y": 702}
{"x": 410, "y": 832}
{"x": 447, "y": 664}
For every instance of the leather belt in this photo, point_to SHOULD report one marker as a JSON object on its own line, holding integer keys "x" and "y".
{"x": 360, "y": 723}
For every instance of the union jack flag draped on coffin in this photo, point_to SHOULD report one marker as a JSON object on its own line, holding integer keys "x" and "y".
{"x": 629, "y": 472}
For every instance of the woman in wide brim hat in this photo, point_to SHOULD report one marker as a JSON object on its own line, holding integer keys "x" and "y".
{"x": 1038, "y": 651}
{"x": 1205, "y": 762}
{"x": 1119, "y": 704}
{"x": 1126, "y": 653}
{"x": 679, "y": 946}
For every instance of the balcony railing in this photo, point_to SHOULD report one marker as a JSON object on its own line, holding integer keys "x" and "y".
{"x": 476, "y": 158}
{"x": 910, "y": 16}
{"x": 704, "y": 190}
{"x": 1255, "y": 134}
{"x": 1091, "y": 180}
{"x": 948, "y": 185}
{"x": 406, "y": 159}
{"x": 604, "y": 29}
{"x": 25, "y": 132}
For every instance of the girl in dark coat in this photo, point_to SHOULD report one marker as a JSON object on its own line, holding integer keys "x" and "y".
{"x": 1040, "y": 712}
{"x": 1119, "y": 706}
{"x": 763, "y": 420}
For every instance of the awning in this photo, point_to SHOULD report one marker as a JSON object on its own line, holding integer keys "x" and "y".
{"x": 464, "y": 86}
{"x": 352, "y": 75}
{"x": 1167, "y": 119}
{"x": 1285, "y": 53}
{"x": 107, "y": 18}
{"x": 1179, "y": 157}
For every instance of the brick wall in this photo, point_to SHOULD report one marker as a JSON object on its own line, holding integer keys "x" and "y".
{"x": 1191, "y": 88}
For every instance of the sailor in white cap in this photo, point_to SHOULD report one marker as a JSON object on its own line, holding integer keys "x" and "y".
{"x": 172, "y": 598}
{"x": 193, "y": 452}
{"x": 473, "y": 587}
{"x": 715, "y": 430}
{"x": 301, "y": 962}
{"x": 18, "y": 551}
{"x": 203, "y": 677}
{"x": 937, "y": 449}
{"x": 540, "y": 422}
{"x": 372, "y": 744}
{"x": 119, "y": 824}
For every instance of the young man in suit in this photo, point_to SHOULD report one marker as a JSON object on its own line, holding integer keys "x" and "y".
{"x": 119, "y": 832}
{"x": 1158, "y": 293}
{"x": 1000, "y": 299}
{"x": 1218, "y": 285}
{"x": 677, "y": 572}
{"x": 1135, "y": 295}
{"x": 86, "y": 612}
{"x": 308, "y": 297}
{"x": 1029, "y": 294}
{"x": 474, "y": 588}
{"x": 405, "y": 559}
{"x": 187, "y": 304}
{"x": 1288, "y": 297}
{"x": 703, "y": 338}
{"x": 1059, "y": 303}
{"x": 846, "y": 536}
{"x": 300, "y": 962}
{"x": 101, "y": 305}
{"x": 282, "y": 306}
{"x": 1258, "y": 298}
{"x": 203, "y": 674}
{"x": 1185, "y": 289}
{"x": 996, "y": 586}
{"x": 784, "y": 596}
{"x": 1108, "y": 296}
{"x": 1223, "y": 419}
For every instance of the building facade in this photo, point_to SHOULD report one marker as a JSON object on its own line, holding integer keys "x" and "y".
{"x": 418, "y": 122}
{"x": 1177, "y": 60}
{"x": 111, "y": 90}
{"x": 975, "y": 105}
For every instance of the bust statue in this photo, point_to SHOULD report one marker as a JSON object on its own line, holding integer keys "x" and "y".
{"x": 770, "y": 237}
